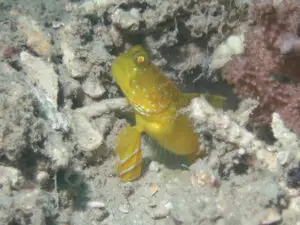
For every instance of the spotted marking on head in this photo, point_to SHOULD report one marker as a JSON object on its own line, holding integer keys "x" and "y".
{"x": 146, "y": 88}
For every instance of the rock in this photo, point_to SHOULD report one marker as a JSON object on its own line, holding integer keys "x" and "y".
{"x": 162, "y": 211}
{"x": 88, "y": 137}
{"x": 21, "y": 126}
{"x": 99, "y": 6}
{"x": 72, "y": 92}
{"x": 127, "y": 20}
{"x": 11, "y": 177}
{"x": 271, "y": 217}
{"x": 41, "y": 74}
{"x": 295, "y": 204}
{"x": 92, "y": 216}
{"x": 116, "y": 36}
{"x": 287, "y": 141}
{"x": 6, "y": 69}
{"x": 36, "y": 39}
{"x": 93, "y": 87}
{"x": 71, "y": 55}
{"x": 58, "y": 151}
{"x": 36, "y": 203}
{"x": 74, "y": 65}
{"x": 127, "y": 189}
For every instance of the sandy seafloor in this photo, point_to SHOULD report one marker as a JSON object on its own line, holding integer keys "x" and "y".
{"x": 60, "y": 112}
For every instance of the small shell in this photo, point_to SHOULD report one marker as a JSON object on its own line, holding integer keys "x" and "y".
{"x": 272, "y": 216}
{"x": 202, "y": 178}
{"x": 153, "y": 189}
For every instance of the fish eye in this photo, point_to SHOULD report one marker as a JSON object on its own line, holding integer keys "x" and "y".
{"x": 141, "y": 60}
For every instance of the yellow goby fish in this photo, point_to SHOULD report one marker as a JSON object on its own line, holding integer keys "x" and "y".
{"x": 156, "y": 101}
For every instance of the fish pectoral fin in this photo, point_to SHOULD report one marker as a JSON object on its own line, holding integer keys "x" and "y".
{"x": 129, "y": 154}
{"x": 215, "y": 100}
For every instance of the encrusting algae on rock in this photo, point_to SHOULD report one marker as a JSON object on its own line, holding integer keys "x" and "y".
{"x": 156, "y": 101}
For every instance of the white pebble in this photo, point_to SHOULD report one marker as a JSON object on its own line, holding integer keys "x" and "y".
{"x": 242, "y": 151}
{"x": 95, "y": 204}
{"x": 154, "y": 166}
{"x": 42, "y": 177}
{"x": 162, "y": 211}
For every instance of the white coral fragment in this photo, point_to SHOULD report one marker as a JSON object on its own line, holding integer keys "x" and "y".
{"x": 72, "y": 64}
{"x": 287, "y": 141}
{"x": 126, "y": 19}
{"x": 286, "y": 138}
{"x": 233, "y": 45}
{"x": 102, "y": 107}
{"x": 222, "y": 125}
{"x": 11, "y": 176}
{"x": 41, "y": 74}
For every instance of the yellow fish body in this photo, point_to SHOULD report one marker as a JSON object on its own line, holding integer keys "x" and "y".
{"x": 156, "y": 101}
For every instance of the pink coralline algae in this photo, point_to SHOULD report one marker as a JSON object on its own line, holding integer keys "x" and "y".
{"x": 271, "y": 51}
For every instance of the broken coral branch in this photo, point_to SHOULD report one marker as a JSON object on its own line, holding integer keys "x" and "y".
{"x": 222, "y": 127}
{"x": 102, "y": 107}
